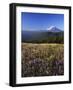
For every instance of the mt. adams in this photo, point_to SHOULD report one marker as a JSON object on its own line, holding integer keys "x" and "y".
{"x": 54, "y": 29}
{"x": 35, "y": 35}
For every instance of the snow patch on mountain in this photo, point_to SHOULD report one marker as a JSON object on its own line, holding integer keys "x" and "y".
{"x": 54, "y": 29}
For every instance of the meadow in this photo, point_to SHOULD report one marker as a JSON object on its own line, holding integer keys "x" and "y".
{"x": 42, "y": 59}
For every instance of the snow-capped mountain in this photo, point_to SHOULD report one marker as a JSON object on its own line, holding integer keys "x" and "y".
{"x": 42, "y": 35}
{"x": 54, "y": 29}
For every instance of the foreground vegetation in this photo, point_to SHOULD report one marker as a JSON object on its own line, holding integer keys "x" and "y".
{"x": 42, "y": 59}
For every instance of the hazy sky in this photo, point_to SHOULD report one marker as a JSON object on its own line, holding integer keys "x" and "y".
{"x": 41, "y": 21}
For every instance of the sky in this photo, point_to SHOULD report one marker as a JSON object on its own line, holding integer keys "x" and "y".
{"x": 41, "y": 21}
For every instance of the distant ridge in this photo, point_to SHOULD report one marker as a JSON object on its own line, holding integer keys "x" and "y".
{"x": 50, "y": 29}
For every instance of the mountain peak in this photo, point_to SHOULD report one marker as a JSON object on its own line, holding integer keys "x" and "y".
{"x": 51, "y": 27}
{"x": 54, "y": 29}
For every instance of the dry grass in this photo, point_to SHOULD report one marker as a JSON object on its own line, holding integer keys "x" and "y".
{"x": 42, "y": 59}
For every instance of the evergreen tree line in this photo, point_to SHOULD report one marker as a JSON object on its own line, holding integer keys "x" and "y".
{"x": 51, "y": 39}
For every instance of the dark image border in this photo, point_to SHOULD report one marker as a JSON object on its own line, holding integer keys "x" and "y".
{"x": 12, "y": 41}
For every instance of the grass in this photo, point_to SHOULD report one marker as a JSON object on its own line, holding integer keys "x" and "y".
{"x": 42, "y": 59}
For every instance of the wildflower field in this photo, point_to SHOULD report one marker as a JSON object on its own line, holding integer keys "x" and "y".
{"x": 42, "y": 59}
